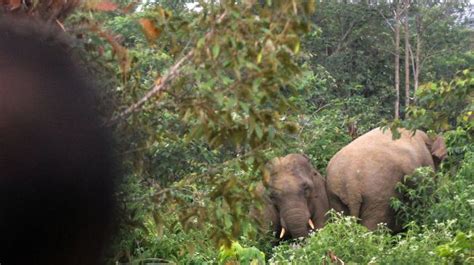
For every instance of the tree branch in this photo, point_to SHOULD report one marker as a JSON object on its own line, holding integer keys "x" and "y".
{"x": 157, "y": 89}
{"x": 386, "y": 20}
{"x": 344, "y": 37}
{"x": 412, "y": 59}
{"x": 165, "y": 81}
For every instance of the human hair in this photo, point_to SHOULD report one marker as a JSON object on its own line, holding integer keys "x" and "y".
{"x": 57, "y": 172}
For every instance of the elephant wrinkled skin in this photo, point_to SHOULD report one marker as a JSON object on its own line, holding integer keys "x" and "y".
{"x": 363, "y": 175}
{"x": 296, "y": 199}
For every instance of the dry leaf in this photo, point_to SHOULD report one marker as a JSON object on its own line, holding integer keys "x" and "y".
{"x": 150, "y": 30}
{"x": 158, "y": 80}
{"x": 120, "y": 51}
{"x": 130, "y": 7}
{"x": 335, "y": 259}
{"x": 12, "y": 4}
{"x": 105, "y": 5}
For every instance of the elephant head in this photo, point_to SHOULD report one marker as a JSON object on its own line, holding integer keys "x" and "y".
{"x": 438, "y": 149}
{"x": 297, "y": 200}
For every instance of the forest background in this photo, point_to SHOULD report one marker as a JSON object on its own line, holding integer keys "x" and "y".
{"x": 200, "y": 94}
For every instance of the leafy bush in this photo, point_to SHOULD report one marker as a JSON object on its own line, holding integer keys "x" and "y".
{"x": 459, "y": 142}
{"x": 343, "y": 240}
{"x": 417, "y": 245}
{"x": 427, "y": 198}
{"x": 241, "y": 255}
{"x": 442, "y": 105}
{"x": 173, "y": 244}
{"x": 456, "y": 196}
{"x": 459, "y": 250}
{"x": 417, "y": 196}
{"x": 322, "y": 136}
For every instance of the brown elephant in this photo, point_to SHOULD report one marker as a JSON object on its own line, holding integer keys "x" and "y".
{"x": 296, "y": 199}
{"x": 363, "y": 175}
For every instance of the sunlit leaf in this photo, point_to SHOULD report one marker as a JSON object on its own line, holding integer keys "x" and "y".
{"x": 13, "y": 4}
{"x": 150, "y": 30}
{"x": 215, "y": 51}
{"x": 104, "y": 5}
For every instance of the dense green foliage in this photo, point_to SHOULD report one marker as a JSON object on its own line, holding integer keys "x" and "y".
{"x": 244, "y": 81}
{"x": 444, "y": 105}
{"x": 343, "y": 240}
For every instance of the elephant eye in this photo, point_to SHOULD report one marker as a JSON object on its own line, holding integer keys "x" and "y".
{"x": 306, "y": 190}
{"x": 272, "y": 195}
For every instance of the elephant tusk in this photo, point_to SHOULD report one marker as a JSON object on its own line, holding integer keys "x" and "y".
{"x": 311, "y": 224}
{"x": 282, "y": 232}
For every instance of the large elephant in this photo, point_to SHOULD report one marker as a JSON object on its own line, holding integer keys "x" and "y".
{"x": 363, "y": 175}
{"x": 296, "y": 199}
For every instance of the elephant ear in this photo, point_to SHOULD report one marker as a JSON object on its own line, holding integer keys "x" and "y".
{"x": 438, "y": 148}
{"x": 269, "y": 213}
{"x": 319, "y": 204}
{"x": 268, "y": 170}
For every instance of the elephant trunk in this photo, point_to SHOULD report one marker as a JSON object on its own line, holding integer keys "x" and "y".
{"x": 296, "y": 220}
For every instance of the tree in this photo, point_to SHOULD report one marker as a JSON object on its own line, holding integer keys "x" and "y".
{"x": 397, "y": 15}
{"x": 399, "y": 9}
{"x": 407, "y": 54}
{"x": 218, "y": 98}
{"x": 433, "y": 22}
{"x": 437, "y": 34}
{"x": 350, "y": 42}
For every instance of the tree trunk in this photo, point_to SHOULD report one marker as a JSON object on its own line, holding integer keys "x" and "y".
{"x": 397, "y": 61}
{"x": 407, "y": 57}
{"x": 417, "y": 53}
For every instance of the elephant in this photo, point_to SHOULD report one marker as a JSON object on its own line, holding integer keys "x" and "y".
{"x": 295, "y": 199}
{"x": 362, "y": 176}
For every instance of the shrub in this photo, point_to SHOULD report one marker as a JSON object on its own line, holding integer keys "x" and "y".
{"x": 417, "y": 245}
{"x": 417, "y": 196}
{"x": 456, "y": 196}
{"x": 175, "y": 245}
{"x": 427, "y": 199}
{"x": 459, "y": 142}
{"x": 241, "y": 255}
{"x": 459, "y": 250}
{"x": 343, "y": 240}
{"x": 321, "y": 137}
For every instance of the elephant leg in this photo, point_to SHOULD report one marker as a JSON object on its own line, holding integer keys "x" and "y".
{"x": 375, "y": 212}
{"x": 336, "y": 204}
{"x": 354, "y": 204}
{"x": 352, "y": 207}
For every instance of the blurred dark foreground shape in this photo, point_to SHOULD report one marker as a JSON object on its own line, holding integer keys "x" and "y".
{"x": 56, "y": 168}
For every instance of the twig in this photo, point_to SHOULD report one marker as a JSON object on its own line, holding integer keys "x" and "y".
{"x": 61, "y": 25}
{"x": 157, "y": 89}
{"x": 386, "y": 20}
{"x": 321, "y": 108}
{"x": 335, "y": 259}
{"x": 344, "y": 37}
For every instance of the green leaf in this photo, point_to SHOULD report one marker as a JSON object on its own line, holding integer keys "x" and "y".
{"x": 258, "y": 131}
{"x": 215, "y": 51}
{"x": 259, "y": 57}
